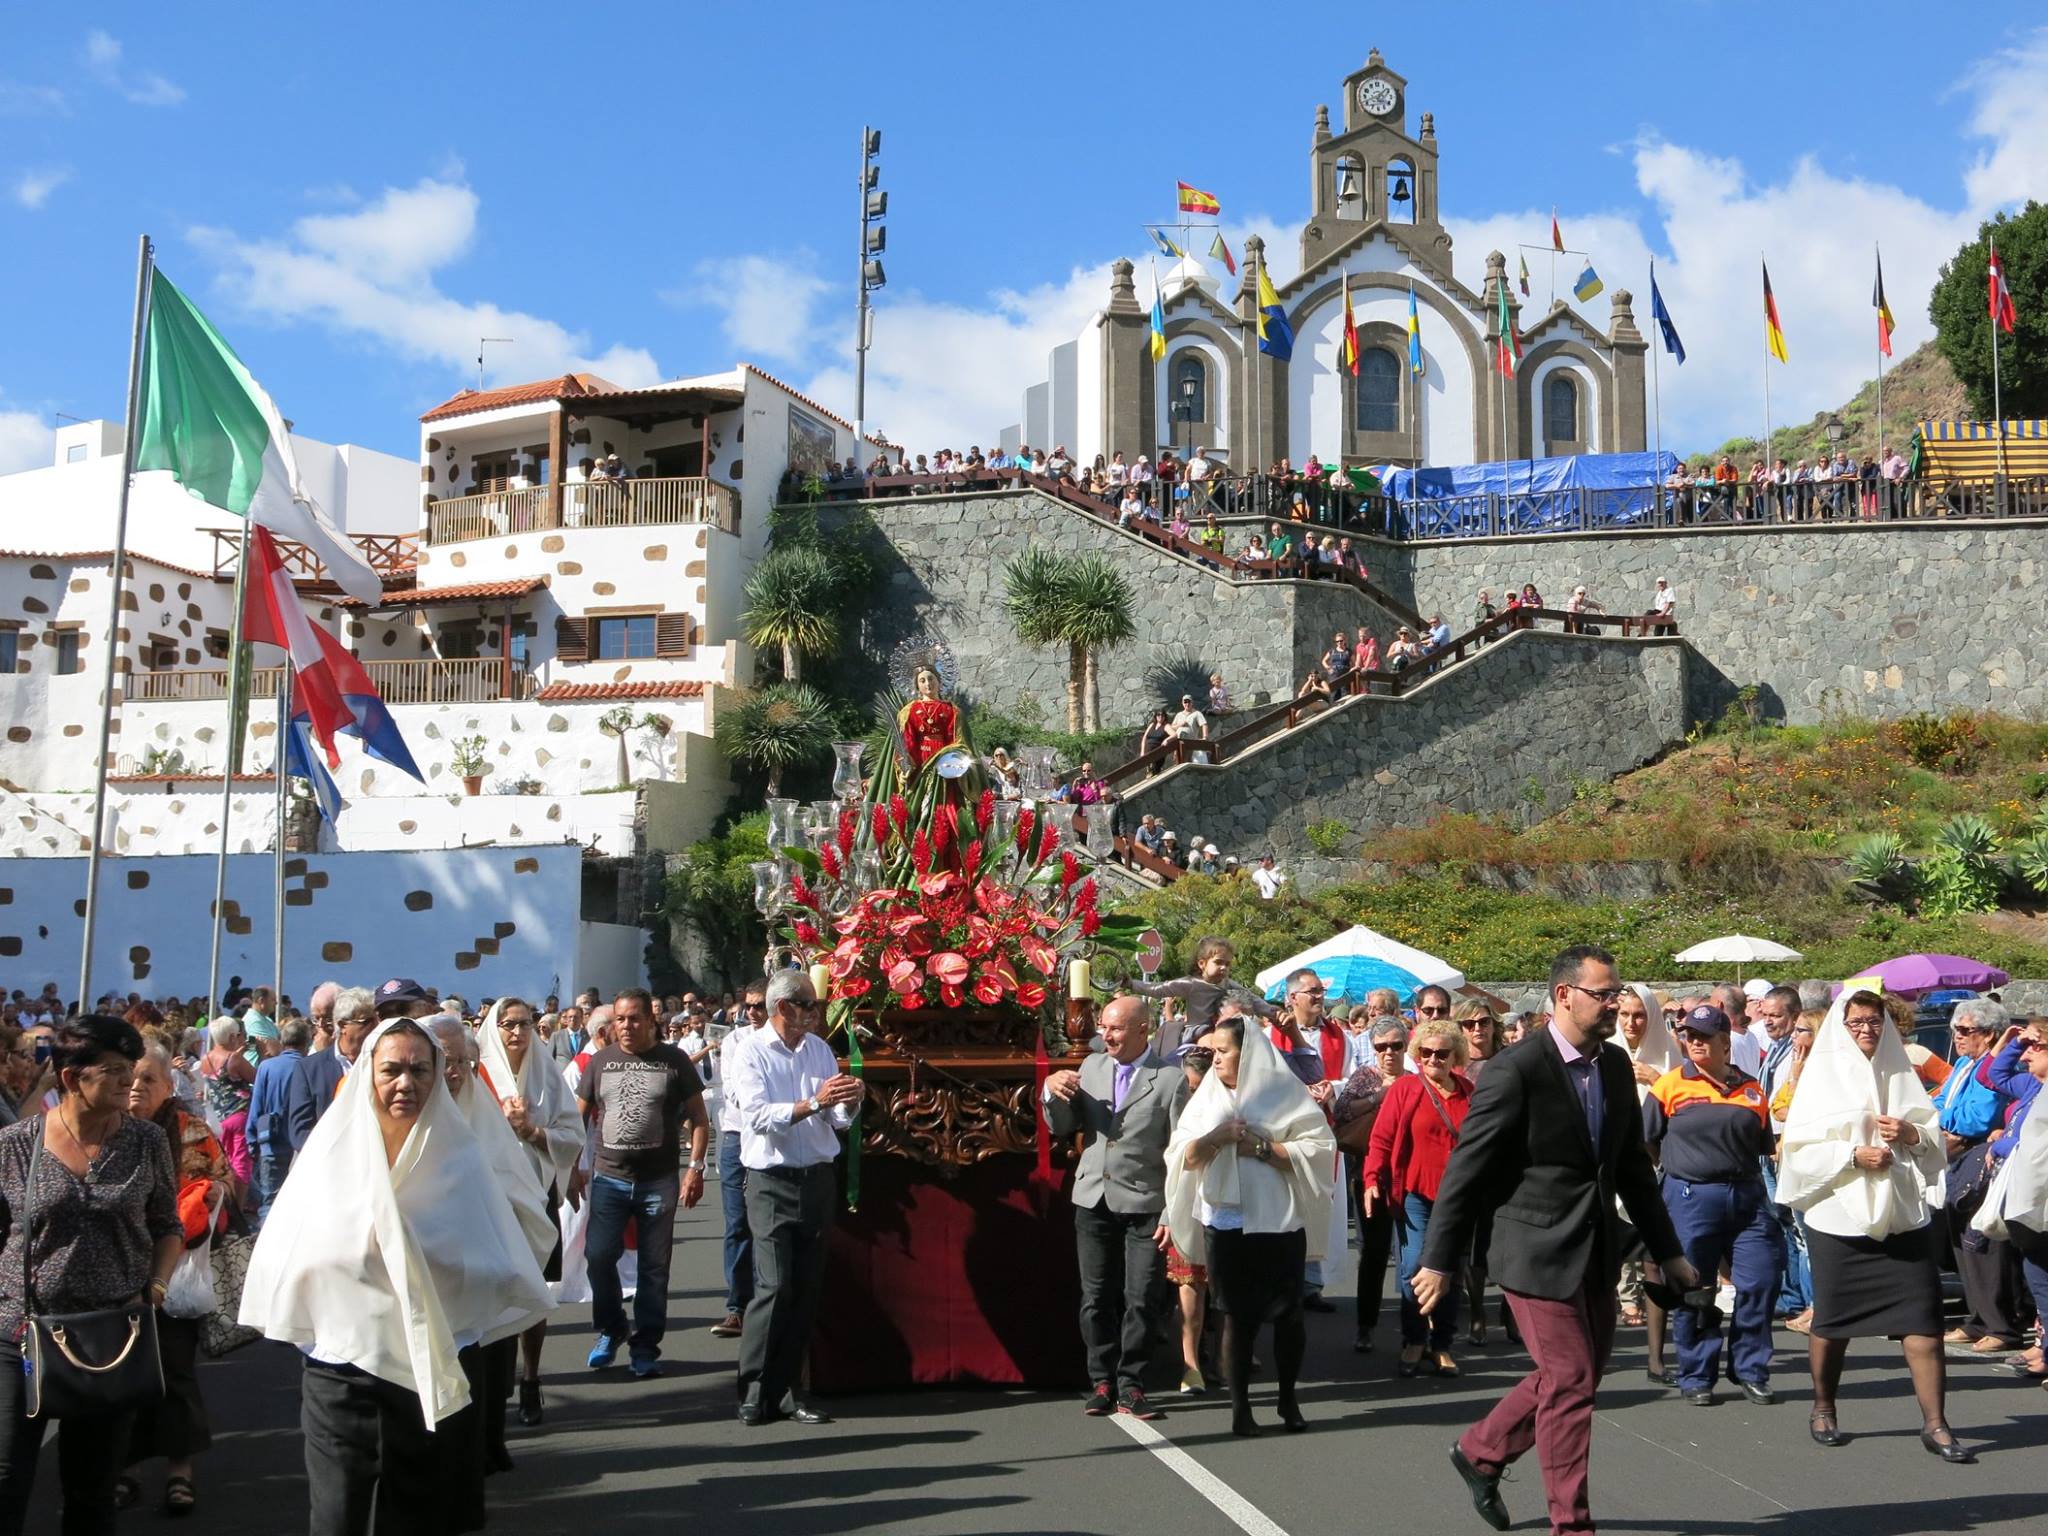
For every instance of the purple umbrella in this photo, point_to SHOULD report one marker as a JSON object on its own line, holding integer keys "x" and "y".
{"x": 1912, "y": 975}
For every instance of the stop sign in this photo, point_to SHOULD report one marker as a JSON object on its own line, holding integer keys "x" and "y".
{"x": 1151, "y": 951}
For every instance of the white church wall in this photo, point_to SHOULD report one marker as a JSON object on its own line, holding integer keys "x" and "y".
{"x": 486, "y": 921}
{"x": 1315, "y": 392}
{"x": 1087, "y": 440}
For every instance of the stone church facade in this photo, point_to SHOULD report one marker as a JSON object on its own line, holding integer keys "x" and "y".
{"x": 1374, "y": 221}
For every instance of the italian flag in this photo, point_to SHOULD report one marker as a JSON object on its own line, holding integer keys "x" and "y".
{"x": 212, "y": 426}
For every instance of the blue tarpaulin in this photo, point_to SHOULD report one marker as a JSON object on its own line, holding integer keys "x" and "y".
{"x": 1592, "y": 490}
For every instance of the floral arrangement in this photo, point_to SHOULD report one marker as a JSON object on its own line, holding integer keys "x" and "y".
{"x": 968, "y": 915}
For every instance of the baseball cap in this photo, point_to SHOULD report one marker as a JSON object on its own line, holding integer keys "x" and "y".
{"x": 401, "y": 989}
{"x": 1706, "y": 1020}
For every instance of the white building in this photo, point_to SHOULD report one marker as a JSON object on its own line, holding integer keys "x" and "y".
{"x": 580, "y": 625}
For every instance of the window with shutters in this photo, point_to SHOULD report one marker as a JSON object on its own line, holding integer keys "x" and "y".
{"x": 572, "y": 640}
{"x": 625, "y": 638}
{"x": 10, "y": 647}
{"x": 672, "y": 634}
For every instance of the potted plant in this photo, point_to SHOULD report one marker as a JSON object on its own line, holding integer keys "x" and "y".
{"x": 466, "y": 757}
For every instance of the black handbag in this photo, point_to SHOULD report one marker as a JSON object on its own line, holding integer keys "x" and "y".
{"x": 82, "y": 1365}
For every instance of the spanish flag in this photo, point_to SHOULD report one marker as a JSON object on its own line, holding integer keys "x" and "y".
{"x": 1348, "y": 353}
{"x": 1774, "y": 333}
{"x": 1194, "y": 200}
{"x": 1884, "y": 311}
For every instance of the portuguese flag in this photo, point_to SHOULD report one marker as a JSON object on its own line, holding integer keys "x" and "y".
{"x": 1510, "y": 344}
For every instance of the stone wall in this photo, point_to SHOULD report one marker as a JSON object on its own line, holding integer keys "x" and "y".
{"x": 943, "y": 570}
{"x": 1507, "y": 731}
{"x": 1876, "y": 621}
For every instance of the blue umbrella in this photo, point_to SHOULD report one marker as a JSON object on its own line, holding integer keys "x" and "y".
{"x": 1347, "y": 978}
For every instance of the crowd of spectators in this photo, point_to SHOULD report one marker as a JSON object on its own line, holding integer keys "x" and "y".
{"x": 1827, "y": 489}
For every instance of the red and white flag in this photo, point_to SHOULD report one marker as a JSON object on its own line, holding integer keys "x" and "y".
{"x": 1999, "y": 300}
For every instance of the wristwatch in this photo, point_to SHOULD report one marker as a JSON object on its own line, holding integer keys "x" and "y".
{"x": 816, "y": 1107}
{"x": 696, "y": 1165}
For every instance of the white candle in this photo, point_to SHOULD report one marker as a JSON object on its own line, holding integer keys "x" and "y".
{"x": 1077, "y": 980}
{"x": 821, "y": 980}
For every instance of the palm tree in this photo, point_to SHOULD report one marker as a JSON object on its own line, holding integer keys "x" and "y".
{"x": 793, "y": 603}
{"x": 1080, "y": 601}
{"x": 775, "y": 728}
{"x": 1034, "y": 596}
{"x": 1097, "y": 599}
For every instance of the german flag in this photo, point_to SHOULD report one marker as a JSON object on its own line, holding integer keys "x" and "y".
{"x": 1885, "y": 323}
{"x": 1774, "y": 333}
{"x": 1194, "y": 200}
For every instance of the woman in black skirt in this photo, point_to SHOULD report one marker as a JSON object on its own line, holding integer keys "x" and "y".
{"x": 1861, "y": 1153}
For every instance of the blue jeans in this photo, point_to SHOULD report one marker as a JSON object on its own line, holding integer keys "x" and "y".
{"x": 739, "y": 1237}
{"x": 1736, "y": 1222}
{"x": 650, "y": 1204}
{"x": 1411, "y": 1226}
{"x": 270, "y": 1173}
{"x": 1795, "y": 1290}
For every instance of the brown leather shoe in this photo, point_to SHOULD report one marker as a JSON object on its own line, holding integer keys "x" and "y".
{"x": 728, "y": 1327}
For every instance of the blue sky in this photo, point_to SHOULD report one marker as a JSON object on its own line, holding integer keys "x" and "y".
{"x": 356, "y": 195}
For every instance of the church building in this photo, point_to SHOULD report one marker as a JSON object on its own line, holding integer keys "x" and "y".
{"x": 1374, "y": 222}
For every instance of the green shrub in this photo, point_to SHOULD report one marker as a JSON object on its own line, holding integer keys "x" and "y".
{"x": 1964, "y": 872}
{"x": 1327, "y": 837}
{"x": 1951, "y": 743}
{"x": 2030, "y": 858}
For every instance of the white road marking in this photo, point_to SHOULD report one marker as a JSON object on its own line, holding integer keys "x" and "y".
{"x": 1227, "y": 1501}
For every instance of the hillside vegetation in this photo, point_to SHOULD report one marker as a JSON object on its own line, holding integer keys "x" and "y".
{"x": 1922, "y": 386}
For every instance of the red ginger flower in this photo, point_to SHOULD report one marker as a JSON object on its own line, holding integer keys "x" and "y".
{"x": 828, "y": 860}
{"x": 849, "y": 829}
{"x": 1026, "y": 820}
{"x": 880, "y": 828}
{"x": 806, "y": 935}
{"x": 970, "y": 860}
{"x": 899, "y": 813}
{"x": 921, "y": 852}
{"x": 1084, "y": 895}
{"x": 1091, "y": 923}
{"x": 1048, "y": 839}
{"x": 984, "y": 810}
{"x": 801, "y": 893}
{"x": 1070, "y": 870}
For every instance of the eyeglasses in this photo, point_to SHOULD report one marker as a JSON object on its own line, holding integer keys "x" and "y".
{"x": 513, "y": 1026}
{"x": 2033, "y": 1045}
{"x": 1431, "y": 1011}
{"x": 1384, "y": 1046}
{"x": 1605, "y": 994}
{"x": 1309, "y": 992}
{"x": 1424, "y": 1053}
{"x": 1863, "y": 1026}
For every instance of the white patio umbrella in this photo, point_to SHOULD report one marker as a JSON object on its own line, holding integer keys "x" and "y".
{"x": 1736, "y": 949}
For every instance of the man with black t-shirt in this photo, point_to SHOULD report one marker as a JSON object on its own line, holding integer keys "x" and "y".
{"x": 639, "y": 1094}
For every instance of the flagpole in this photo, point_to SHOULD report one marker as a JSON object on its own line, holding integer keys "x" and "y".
{"x": 1880, "y": 353}
{"x": 284, "y": 714}
{"x": 144, "y": 259}
{"x": 1657, "y": 398}
{"x": 1769, "y": 457}
{"x": 1997, "y": 397}
{"x": 231, "y": 751}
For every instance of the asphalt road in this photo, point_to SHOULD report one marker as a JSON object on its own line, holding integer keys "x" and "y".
{"x": 619, "y": 1456}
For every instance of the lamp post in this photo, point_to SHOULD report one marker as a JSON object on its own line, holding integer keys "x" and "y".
{"x": 1184, "y": 411}
{"x": 874, "y": 206}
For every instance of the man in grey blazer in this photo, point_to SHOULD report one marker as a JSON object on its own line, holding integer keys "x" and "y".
{"x": 1123, "y": 1100}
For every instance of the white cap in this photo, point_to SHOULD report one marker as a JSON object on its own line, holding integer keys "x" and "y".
{"x": 1212, "y": 849}
{"x": 1755, "y": 988}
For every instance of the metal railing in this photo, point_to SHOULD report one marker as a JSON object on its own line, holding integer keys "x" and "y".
{"x": 1381, "y": 682}
{"x": 584, "y": 504}
{"x": 430, "y": 680}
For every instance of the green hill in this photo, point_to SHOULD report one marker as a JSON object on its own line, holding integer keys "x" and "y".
{"x": 1921, "y": 386}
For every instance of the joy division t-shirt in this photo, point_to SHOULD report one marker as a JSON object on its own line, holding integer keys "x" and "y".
{"x": 639, "y": 1102}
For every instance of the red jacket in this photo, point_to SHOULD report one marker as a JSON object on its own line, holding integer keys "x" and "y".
{"x": 1410, "y": 1147}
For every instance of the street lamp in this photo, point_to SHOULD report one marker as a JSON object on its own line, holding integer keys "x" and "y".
{"x": 1835, "y": 431}
{"x": 874, "y": 239}
{"x": 1184, "y": 409}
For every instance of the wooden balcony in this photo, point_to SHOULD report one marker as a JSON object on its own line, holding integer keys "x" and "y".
{"x": 586, "y": 504}
{"x": 391, "y": 555}
{"x": 430, "y": 680}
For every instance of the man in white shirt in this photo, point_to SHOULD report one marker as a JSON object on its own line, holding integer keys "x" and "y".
{"x": 732, "y": 1173}
{"x": 1663, "y": 600}
{"x": 1267, "y": 878}
{"x": 792, "y": 1101}
{"x": 1190, "y": 724}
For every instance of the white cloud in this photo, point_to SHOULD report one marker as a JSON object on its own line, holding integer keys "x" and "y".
{"x": 373, "y": 273}
{"x": 768, "y": 302}
{"x": 144, "y": 87}
{"x": 32, "y": 189}
{"x": 17, "y": 100}
{"x": 25, "y": 441}
{"x": 953, "y": 373}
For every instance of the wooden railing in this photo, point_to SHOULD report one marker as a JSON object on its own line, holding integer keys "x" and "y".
{"x": 584, "y": 504}
{"x": 180, "y": 686}
{"x": 430, "y": 680}
{"x": 1385, "y": 684}
{"x": 391, "y": 555}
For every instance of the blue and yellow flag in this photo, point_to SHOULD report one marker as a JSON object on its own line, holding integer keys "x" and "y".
{"x": 1276, "y": 336}
{"x": 1588, "y": 284}
{"x": 1158, "y": 319}
{"x": 1414, "y": 335}
{"x": 1166, "y": 246}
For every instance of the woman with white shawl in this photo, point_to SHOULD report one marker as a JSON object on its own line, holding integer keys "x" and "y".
{"x": 381, "y": 1264}
{"x": 1862, "y": 1158}
{"x": 542, "y": 1114}
{"x": 1248, "y": 1190}
{"x": 1653, "y": 1051}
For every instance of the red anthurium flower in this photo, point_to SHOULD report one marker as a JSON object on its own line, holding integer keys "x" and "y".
{"x": 952, "y": 997}
{"x": 918, "y": 942}
{"x": 981, "y": 937}
{"x": 1038, "y": 954}
{"x": 853, "y": 922}
{"x": 984, "y": 810}
{"x": 905, "y": 977}
{"x": 988, "y": 988}
{"x": 936, "y": 884}
{"x": 948, "y": 967}
{"x": 1031, "y": 994}
{"x": 852, "y": 986}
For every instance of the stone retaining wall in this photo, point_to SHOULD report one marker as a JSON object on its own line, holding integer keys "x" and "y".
{"x": 1505, "y": 733}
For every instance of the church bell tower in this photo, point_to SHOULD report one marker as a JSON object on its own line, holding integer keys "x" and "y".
{"x": 1373, "y": 169}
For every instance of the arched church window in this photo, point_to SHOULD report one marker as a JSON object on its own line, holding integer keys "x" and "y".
{"x": 1561, "y": 408}
{"x": 1190, "y": 388}
{"x": 1379, "y": 391}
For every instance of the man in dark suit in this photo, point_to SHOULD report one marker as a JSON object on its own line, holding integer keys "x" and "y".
{"x": 355, "y": 1015}
{"x": 1555, "y": 1134}
{"x": 1123, "y": 1100}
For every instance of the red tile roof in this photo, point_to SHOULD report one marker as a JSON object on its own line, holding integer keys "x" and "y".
{"x": 471, "y": 592}
{"x": 577, "y": 693}
{"x": 568, "y": 385}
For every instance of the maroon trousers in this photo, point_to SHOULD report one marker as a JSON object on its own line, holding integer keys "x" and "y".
{"x": 1552, "y": 1407}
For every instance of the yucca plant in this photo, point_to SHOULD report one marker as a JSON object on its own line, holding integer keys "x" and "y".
{"x": 793, "y": 605}
{"x": 774, "y": 729}
{"x": 1964, "y": 872}
{"x": 2030, "y": 859}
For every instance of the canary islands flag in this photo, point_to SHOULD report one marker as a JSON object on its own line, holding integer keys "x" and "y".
{"x": 1166, "y": 246}
{"x": 1158, "y": 320}
{"x": 1276, "y": 336}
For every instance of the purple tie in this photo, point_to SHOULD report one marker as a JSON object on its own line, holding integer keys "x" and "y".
{"x": 1124, "y": 1069}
